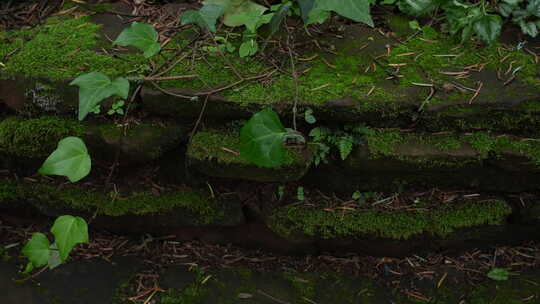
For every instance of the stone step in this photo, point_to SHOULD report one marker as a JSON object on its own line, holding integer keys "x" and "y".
{"x": 136, "y": 211}
{"x": 364, "y": 78}
{"x": 385, "y": 159}
{"x": 28, "y": 142}
{"x": 392, "y": 160}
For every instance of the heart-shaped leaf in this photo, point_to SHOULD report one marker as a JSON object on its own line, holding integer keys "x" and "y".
{"x": 206, "y": 17}
{"x": 142, "y": 36}
{"x": 357, "y": 10}
{"x": 262, "y": 139}
{"x": 96, "y": 86}
{"x": 54, "y": 258}
{"x": 37, "y": 250}
{"x": 488, "y": 27}
{"x": 69, "y": 231}
{"x": 70, "y": 159}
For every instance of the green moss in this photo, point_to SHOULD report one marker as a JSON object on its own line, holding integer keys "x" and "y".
{"x": 446, "y": 143}
{"x": 486, "y": 144}
{"x": 35, "y": 138}
{"x": 441, "y": 221}
{"x": 383, "y": 142}
{"x": 60, "y": 49}
{"x": 204, "y": 209}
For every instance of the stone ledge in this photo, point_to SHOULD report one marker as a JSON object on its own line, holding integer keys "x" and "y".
{"x": 216, "y": 153}
{"x": 138, "y": 211}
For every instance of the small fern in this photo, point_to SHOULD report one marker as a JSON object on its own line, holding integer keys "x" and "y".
{"x": 343, "y": 140}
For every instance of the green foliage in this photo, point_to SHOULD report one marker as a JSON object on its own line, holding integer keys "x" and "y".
{"x": 205, "y": 18}
{"x": 262, "y": 139}
{"x": 524, "y": 13}
{"x": 461, "y": 17}
{"x": 95, "y": 87}
{"x": 70, "y": 159}
{"x": 68, "y": 232}
{"x": 309, "y": 117}
{"x": 142, "y": 36}
{"x": 116, "y": 108}
{"x": 343, "y": 140}
{"x": 300, "y": 194}
{"x": 498, "y": 274}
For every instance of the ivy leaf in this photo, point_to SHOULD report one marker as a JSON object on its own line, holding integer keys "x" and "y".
{"x": 235, "y": 7}
{"x": 534, "y": 8}
{"x": 498, "y": 274}
{"x": 248, "y": 48}
{"x": 251, "y": 19}
{"x": 96, "y": 86}
{"x": 261, "y": 139}
{"x": 142, "y": 36}
{"x": 69, "y": 231}
{"x": 306, "y": 6}
{"x": 309, "y": 117}
{"x": 529, "y": 28}
{"x": 357, "y": 10}
{"x": 37, "y": 250}
{"x": 70, "y": 159}
{"x": 206, "y": 17}
{"x": 278, "y": 17}
{"x": 54, "y": 259}
{"x": 417, "y": 7}
{"x": 488, "y": 27}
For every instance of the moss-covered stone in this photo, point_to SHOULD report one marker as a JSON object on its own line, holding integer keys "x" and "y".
{"x": 216, "y": 153}
{"x": 62, "y": 48}
{"x": 35, "y": 138}
{"x": 297, "y": 221}
{"x": 173, "y": 208}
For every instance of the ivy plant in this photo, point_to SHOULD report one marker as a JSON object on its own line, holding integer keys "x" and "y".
{"x": 68, "y": 231}
{"x": 526, "y": 14}
{"x": 262, "y": 139}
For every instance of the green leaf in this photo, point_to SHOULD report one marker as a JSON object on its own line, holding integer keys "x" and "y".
{"x": 262, "y": 139}
{"x": 498, "y": 274}
{"x": 345, "y": 146}
{"x": 506, "y": 9}
{"x": 69, "y": 231}
{"x": 417, "y": 7}
{"x": 96, "y": 86}
{"x": 357, "y": 10}
{"x": 37, "y": 250}
{"x": 300, "y": 195}
{"x": 529, "y": 28}
{"x": 278, "y": 17}
{"x": 206, "y": 17}
{"x": 29, "y": 267}
{"x": 513, "y": 2}
{"x": 54, "y": 259}
{"x": 248, "y": 48}
{"x": 235, "y": 7}
{"x": 414, "y": 25}
{"x": 70, "y": 159}
{"x": 142, "y": 36}
{"x": 534, "y": 7}
{"x": 308, "y": 116}
{"x": 306, "y": 6}
{"x": 251, "y": 19}
{"x": 488, "y": 27}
